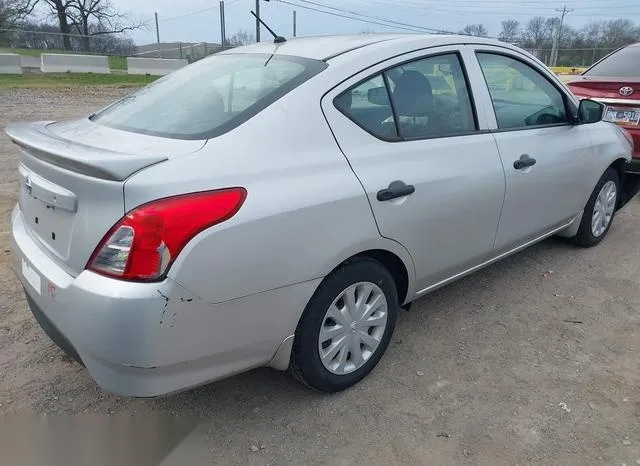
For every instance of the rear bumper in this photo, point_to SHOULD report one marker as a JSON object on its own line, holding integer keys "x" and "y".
{"x": 152, "y": 339}
{"x": 635, "y": 135}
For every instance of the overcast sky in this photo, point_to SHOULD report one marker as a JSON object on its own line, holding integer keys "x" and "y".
{"x": 184, "y": 20}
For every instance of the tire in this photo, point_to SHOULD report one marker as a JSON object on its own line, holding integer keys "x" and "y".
{"x": 355, "y": 358}
{"x": 586, "y": 237}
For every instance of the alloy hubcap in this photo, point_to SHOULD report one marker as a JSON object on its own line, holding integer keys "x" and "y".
{"x": 352, "y": 328}
{"x": 604, "y": 208}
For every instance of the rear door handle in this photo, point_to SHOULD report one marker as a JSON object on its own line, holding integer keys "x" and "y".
{"x": 396, "y": 189}
{"x": 523, "y": 162}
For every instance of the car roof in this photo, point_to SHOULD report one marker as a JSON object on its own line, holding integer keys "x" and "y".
{"x": 327, "y": 47}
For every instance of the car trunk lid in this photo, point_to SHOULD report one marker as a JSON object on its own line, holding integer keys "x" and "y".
{"x": 608, "y": 88}
{"x": 620, "y": 95}
{"x": 71, "y": 179}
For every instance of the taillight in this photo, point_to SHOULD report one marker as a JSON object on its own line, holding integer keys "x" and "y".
{"x": 143, "y": 244}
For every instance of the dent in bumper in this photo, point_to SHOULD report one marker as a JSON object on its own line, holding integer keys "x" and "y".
{"x": 151, "y": 339}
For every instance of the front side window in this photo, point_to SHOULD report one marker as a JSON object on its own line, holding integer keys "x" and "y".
{"x": 421, "y": 99}
{"x": 521, "y": 96}
{"x": 210, "y": 97}
{"x": 624, "y": 63}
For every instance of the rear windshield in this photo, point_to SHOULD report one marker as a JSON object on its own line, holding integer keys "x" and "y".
{"x": 210, "y": 97}
{"x": 625, "y": 63}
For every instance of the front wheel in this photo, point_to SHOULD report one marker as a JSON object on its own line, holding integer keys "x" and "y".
{"x": 346, "y": 327}
{"x": 599, "y": 211}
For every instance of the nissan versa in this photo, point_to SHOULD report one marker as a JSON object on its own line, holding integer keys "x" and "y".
{"x": 278, "y": 204}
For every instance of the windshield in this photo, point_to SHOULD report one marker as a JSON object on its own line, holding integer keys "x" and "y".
{"x": 210, "y": 97}
{"x": 625, "y": 63}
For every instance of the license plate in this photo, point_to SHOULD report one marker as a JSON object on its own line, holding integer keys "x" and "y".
{"x": 623, "y": 116}
{"x": 31, "y": 276}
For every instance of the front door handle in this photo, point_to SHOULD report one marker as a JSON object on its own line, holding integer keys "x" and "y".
{"x": 523, "y": 162}
{"x": 395, "y": 189}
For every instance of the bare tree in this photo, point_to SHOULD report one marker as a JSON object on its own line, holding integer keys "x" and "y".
{"x": 103, "y": 14}
{"x": 478, "y": 30}
{"x": 14, "y": 11}
{"x": 592, "y": 33}
{"x": 59, "y": 9}
{"x": 551, "y": 26}
{"x": 90, "y": 18}
{"x": 536, "y": 32}
{"x": 241, "y": 37}
{"x": 99, "y": 17}
{"x": 619, "y": 32}
{"x": 510, "y": 31}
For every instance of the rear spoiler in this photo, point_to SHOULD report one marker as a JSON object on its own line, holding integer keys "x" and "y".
{"x": 37, "y": 142}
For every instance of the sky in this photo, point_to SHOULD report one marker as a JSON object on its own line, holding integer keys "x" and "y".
{"x": 199, "y": 20}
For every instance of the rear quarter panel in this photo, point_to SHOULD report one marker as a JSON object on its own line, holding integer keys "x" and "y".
{"x": 304, "y": 214}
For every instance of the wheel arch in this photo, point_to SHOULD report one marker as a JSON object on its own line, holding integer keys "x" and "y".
{"x": 390, "y": 254}
{"x": 629, "y": 183}
{"x": 619, "y": 165}
{"x": 393, "y": 264}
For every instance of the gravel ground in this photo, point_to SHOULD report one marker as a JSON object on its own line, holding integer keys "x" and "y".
{"x": 484, "y": 371}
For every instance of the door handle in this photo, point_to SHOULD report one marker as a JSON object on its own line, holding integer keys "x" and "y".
{"x": 523, "y": 162}
{"x": 396, "y": 189}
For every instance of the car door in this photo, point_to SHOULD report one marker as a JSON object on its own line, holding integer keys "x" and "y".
{"x": 546, "y": 158}
{"x": 434, "y": 180}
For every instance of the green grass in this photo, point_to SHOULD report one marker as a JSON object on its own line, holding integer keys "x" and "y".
{"x": 118, "y": 63}
{"x": 115, "y": 62}
{"x": 31, "y": 52}
{"x": 52, "y": 80}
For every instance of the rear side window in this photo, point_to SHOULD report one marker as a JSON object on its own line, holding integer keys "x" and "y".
{"x": 431, "y": 98}
{"x": 368, "y": 105}
{"x": 422, "y": 99}
{"x": 625, "y": 63}
{"x": 210, "y": 97}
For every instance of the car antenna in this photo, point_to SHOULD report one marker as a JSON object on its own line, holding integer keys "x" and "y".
{"x": 276, "y": 38}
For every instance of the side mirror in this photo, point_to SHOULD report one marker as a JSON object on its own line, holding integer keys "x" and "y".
{"x": 378, "y": 96}
{"x": 590, "y": 111}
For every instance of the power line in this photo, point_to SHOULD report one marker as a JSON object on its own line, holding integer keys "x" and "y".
{"x": 498, "y": 3}
{"x": 493, "y": 8}
{"x": 297, "y": 5}
{"x": 173, "y": 18}
{"x": 351, "y": 12}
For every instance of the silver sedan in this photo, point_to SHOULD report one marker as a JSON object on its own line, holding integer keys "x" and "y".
{"x": 279, "y": 204}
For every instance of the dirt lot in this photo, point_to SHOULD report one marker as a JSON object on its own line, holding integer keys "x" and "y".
{"x": 485, "y": 371}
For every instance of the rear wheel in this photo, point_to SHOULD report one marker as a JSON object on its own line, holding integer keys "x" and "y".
{"x": 346, "y": 326}
{"x": 599, "y": 211}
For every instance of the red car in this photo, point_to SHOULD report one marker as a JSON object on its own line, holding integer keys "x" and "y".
{"x": 615, "y": 81}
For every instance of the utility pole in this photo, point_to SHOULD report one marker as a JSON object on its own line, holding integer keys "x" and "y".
{"x": 556, "y": 41}
{"x": 223, "y": 38}
{"x": 257, "y": 21}
{"x": 157, "y": 29}
{"x": 294, "y": 23}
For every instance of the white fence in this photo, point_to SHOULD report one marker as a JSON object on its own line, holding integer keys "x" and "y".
{"x": 10, "y": 63}
{"x": 67, "y": 63}
{"x": 154, "y": 66}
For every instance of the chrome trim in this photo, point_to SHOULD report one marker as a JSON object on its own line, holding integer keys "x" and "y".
{"x": 606, "y": 100}
{"x": 497, "y": 258}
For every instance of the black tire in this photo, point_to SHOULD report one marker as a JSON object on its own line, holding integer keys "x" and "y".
{"x": 306, "y": 365}
{"x": 585, "y": 237}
